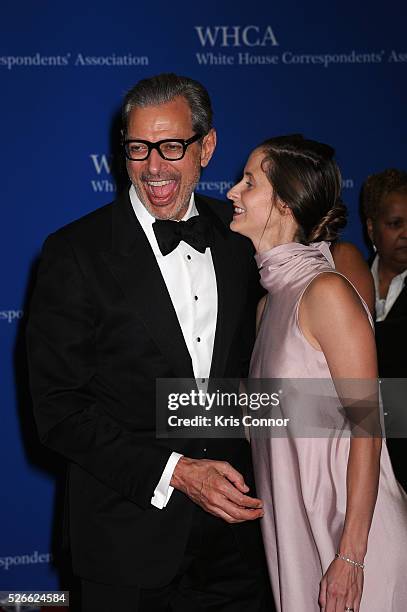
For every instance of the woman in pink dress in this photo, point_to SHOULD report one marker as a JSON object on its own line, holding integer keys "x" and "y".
{"x": 335, "y": 523}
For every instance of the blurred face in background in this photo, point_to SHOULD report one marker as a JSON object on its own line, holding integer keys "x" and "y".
{"x": 388, "y": 231}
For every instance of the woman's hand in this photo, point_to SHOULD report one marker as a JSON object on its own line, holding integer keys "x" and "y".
{"x": 341, "y": 587}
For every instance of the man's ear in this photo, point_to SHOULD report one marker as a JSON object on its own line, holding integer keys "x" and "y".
{"x": 369, "y": 227}
{"x": 208, "y": 147}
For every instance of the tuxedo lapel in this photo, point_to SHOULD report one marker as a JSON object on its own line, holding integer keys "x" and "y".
{"x": 231, "y": 287}
{"x": 133, "y": 264}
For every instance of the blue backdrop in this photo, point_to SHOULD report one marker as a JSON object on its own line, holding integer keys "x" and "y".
{"x": 335, "y": 71}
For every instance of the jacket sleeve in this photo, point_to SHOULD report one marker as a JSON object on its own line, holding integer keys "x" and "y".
{"x": 248, "y": 326}
{"x": 62, "y": 363}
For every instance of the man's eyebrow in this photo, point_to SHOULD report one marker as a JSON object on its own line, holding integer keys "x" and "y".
{"x": 248, "y": 173}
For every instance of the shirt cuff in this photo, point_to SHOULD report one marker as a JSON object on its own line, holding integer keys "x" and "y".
{"x": 163, "y": 490}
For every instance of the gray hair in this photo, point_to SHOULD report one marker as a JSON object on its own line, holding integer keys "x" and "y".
{"x": 163, "y": 88}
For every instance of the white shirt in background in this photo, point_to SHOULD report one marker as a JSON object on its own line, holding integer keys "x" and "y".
{"x": 383, "y": 305}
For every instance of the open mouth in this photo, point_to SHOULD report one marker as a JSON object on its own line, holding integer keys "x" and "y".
{"x": 238, "y": 211}
{"x": 161, "y": 192}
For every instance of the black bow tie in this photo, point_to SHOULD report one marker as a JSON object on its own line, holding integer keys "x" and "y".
{"x": 196, "y": 232}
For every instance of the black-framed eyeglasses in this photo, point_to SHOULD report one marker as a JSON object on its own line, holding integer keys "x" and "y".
{"x": 171, "y": 149}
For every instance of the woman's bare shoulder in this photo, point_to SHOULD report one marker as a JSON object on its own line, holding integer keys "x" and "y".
{"x": 331, "y": 296}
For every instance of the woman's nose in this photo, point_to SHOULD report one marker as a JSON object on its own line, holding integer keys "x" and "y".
{"x": 232, "y": 194}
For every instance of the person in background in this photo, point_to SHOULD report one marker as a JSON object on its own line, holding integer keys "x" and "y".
{"x": 349, "y": 261}
{"x": 384, "y": 201}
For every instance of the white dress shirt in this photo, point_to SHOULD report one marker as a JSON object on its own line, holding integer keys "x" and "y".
{"x": 191, "y": 282}
{"x": 383, "y": 305}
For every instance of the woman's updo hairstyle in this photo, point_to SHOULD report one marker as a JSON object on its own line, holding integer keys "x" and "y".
{"x": 305, "y": 177}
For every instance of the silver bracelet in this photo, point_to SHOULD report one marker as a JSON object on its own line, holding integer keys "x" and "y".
{"x": 356, "y": 563}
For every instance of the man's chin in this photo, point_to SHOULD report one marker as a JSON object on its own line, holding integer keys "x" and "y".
{"x": 172, "y": 210}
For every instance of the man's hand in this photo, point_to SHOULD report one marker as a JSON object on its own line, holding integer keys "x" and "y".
{"x": 218, "y": 488}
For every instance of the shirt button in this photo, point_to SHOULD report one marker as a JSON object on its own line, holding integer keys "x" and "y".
{"x": 198, "y": 339}
{"x": 204, "y": 450}
{"x": 195, "y": 298}
{"x": 188, "y": 257}
{"x": 202, "y": 380}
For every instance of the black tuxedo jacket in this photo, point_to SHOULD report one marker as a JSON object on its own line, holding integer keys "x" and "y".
{"x": 101, "y": 329}
{"x": 391, "y": 342}
{"x": 391, "y": 339}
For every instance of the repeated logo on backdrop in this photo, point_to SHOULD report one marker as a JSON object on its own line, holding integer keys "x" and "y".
{"x": 76, "y": 60}
{"x": 102, "y": 180}
{"x": 9, "y": 316}
{"x": 33, "y": 558}
{"x": 228, "y": 45}
{"x": 218, "y": 45}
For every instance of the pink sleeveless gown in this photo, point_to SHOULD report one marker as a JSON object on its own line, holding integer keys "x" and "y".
{"x": 302, "y": 481}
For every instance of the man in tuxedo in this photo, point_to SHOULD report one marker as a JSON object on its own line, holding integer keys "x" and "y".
{"x": 151, "y": 286}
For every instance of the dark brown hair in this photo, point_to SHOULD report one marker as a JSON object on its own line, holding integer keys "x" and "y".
{"x": 378, "y": 186}
{"x": 305, "y": 176}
